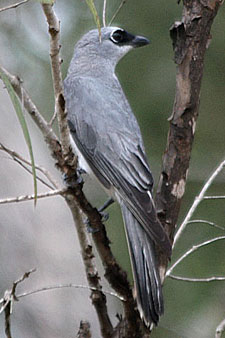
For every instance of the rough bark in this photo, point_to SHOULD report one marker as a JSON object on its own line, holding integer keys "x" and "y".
{"x": 190, "y": 37}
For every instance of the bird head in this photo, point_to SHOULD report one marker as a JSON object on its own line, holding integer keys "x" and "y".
{"x": 114, "y": 43}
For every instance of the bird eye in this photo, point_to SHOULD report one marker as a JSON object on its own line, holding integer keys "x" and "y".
{"x": 118, "y": 36}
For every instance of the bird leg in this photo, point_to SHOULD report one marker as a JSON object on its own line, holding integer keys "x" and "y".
{"x": 106, "y": 204}
{"x": 104, "y": 215}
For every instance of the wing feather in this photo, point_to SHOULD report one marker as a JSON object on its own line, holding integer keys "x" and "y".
{"x": 111, "y": 142}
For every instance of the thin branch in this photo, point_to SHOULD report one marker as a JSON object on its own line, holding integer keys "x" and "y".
{"x": 54, "y": 116}
{"x": 117, "y": 11}
{"x": 192, "y": 250}
{"x": 198, "y": 200}
{"x": 7, "y": 302}
{"x": 213, "y": 197}
{"x": 70, "y": 285}
{"x": 201, "y": 280}
{"x": 206, "y": 222}
{"x": 220, "y": 329}
{"x": 17, "y": 157}
{"x": 54, "y": 32}
{"x": 13, "y": 6}
{"x": 31, "y": 197}
{"x": 11, "y": 294}
{"x": 104, "y": 13}
{"x": 30, "y": 172}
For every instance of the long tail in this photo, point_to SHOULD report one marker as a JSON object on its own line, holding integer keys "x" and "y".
{"x": 145, "y": 271}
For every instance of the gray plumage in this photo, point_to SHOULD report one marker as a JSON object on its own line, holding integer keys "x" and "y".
{"x": 106, "y": 135}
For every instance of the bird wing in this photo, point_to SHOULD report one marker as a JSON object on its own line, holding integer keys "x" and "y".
{"x": 106, "y": 132}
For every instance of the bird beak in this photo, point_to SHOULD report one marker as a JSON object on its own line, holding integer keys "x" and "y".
{"x": 139, "y": 41}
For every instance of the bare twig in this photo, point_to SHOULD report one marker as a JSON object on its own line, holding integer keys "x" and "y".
{"x": 104, "y": 13}
{"x": 70, "y": 285}
{"x": 206, "y": 222}
{"x": 17, "y": 157}
{"x": 220, "y": 329}
{"x": 13, "y": 6}
{"x": 201, "y": 280}
{"x": 214, "y": 197}
{"x": 7, "y": 302}
{"x": 30, "y": 172}
{"x": 31, "y": 197}
{"x": 197, "y": 200}
{"x": 54, "y": 31}
{"x": 54, "y": 116}
{"x": 190, "y": 251}
{"x": 117, "y": 11}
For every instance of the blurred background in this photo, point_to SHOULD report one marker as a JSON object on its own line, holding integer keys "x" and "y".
{"x": 44, "y": 237}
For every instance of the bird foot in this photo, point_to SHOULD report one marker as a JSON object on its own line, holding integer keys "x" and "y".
{"x": 104, "y": 218}
{"x": 73, "y": 181}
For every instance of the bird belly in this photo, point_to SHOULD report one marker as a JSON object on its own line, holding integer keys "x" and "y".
{"x": 83, "y": 164}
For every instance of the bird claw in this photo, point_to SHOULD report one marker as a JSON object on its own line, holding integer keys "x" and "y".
{"x": 73, "y": 181}
{"x": 104, "y": 218}
{"x": 90, "y": 229}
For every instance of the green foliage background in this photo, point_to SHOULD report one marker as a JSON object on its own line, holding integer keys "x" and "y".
{"x": 148, "y": 79}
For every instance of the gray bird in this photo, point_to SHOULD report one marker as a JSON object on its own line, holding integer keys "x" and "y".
{"x": 107, "y": 139}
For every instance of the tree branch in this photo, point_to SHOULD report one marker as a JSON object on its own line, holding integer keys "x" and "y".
{"x": 49, "y": 135}
{"x": 201, "y": 280}
{"x": 63, "y": 286}
{"x": 214, "y": 197}
{"x": 116, "y": 277}
{"x": 17, "y": 157}
{"x": 206, "y": 222}
{"x": 97, "y": 296}
{"x": 32, "y": 197}
{"x": 54, "y": 31}
{"x": 198, "y": 200}
{"x": 190, "y": 40}
{"x": 190, "y": 251}
{"x": 7, "y": 302}
{"x": 13, "y": 6}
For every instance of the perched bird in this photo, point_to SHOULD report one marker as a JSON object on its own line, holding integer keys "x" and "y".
{"x": 107, "y": 139}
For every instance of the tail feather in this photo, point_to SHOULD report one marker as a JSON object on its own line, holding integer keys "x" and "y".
{"x": 145, "y": 270}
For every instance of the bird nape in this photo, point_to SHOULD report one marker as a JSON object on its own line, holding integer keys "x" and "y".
{"x": 107, "y": 139}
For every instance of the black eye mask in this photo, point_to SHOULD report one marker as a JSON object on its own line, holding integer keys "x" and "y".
{"x": 121, "y": 37}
